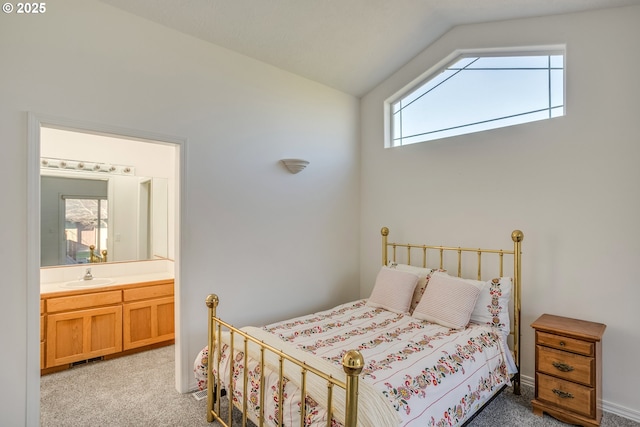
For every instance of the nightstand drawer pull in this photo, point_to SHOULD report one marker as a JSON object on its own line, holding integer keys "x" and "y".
{"x": 563, "y": 394}
{"x": 562, "y": 344}
{"x": 563, "y": 367}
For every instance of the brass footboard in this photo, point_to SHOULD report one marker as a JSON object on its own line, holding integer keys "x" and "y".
{"x": 352, "y": 362}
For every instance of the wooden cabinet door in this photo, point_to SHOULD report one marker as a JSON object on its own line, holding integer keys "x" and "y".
{"x": 83, "y": 334}
{"x": 148, "y": 322}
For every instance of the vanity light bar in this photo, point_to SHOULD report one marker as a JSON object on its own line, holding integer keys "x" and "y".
{"x": 77, "y": 165}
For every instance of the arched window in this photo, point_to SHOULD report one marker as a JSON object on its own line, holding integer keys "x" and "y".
{"x": 480, "y": 91}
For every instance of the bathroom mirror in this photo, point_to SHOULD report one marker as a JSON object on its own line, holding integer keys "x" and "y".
{"x": 124, "y": 218}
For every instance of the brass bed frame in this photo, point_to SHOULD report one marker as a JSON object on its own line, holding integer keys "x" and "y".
{"x": 352, "y": 362}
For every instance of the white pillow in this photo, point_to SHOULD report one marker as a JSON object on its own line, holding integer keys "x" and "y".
{"x": 393, "y": 290}
{"x": 447, "y": 301}
{"x": 423, "y": 279}
{"x": 492, "y": 307}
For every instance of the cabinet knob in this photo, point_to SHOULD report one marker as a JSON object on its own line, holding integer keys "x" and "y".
{"x": 562, "y": 344}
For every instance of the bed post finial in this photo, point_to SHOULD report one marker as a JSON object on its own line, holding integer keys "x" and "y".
{"x": 517, "y": 236}
{"x": 352, "y": 363}
{"x": 212, "y": 301}
{"x": 385, "y": 232}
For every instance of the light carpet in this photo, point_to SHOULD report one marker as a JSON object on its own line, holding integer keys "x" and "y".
{"x": 139, "y": 390}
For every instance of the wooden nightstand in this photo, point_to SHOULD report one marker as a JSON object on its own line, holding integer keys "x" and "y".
{"x": 568, "y": 369}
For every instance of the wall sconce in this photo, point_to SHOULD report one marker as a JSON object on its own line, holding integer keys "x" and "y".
{"x": 295, "y": 165}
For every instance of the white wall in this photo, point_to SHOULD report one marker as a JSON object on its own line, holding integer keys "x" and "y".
{"x": 571, "y": 184}
{"x": 255, "y": 234}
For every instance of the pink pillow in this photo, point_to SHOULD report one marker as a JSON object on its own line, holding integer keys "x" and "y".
{"x": 423, "y": 279}
{"x": 393, "y": 290}
{"x": 447, "y": 301}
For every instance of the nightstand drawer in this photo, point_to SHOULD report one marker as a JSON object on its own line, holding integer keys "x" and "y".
{"x": 565, "y": 343}
{"x": 564, "y": 394}
{"x": 565, "y": 365}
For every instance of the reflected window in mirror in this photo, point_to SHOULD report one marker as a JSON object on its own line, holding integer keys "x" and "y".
{"x": 85, "y": 229}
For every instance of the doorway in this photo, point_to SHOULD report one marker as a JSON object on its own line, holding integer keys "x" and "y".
{"x": 38, "y": 123}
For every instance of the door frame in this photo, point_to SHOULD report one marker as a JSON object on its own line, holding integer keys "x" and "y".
{"x": 35, "y": 121}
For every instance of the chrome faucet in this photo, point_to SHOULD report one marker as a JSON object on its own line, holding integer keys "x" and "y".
{"x": 88, "y": 275}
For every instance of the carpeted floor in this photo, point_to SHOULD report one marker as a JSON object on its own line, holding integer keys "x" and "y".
{"x": 139, "y": 390}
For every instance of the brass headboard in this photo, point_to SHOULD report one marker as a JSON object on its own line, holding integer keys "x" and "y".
{"x": 517, "y": 236}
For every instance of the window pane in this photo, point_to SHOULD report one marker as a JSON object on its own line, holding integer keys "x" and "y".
{"x": 557, "y": 61}
{"x": 503, "y": 62}
{"x": 85, "y": 225}
{"x": 480, "y": 93}
{"x": 557, "y": 87}
{"x": 476, "y": 97}
{"x": 427, "y": 87}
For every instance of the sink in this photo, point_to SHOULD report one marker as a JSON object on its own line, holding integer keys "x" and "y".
{"x": 88, "y": 283}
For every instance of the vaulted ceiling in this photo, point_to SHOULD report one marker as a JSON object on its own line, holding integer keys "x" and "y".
{"x": 350, "y": 45}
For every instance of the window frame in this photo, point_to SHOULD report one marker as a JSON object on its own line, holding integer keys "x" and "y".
{"x": 454, "y": 57}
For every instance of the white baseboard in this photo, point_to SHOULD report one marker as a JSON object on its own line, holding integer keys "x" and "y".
{"x": 614, "y": 408}
{"x": 528, "y": 381}
{"x": 610, "y": 407}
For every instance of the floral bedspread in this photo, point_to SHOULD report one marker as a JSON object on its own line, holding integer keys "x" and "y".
{"x": 428, "y": 374}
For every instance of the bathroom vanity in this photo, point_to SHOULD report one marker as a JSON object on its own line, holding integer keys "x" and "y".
{"x": 80, "y": 324}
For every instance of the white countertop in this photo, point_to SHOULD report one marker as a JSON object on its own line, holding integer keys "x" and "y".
{"x": 117, "y": 280}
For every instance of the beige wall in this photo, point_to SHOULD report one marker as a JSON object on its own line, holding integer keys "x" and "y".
{"x": 249, "y": 226}
{"x": 571, "y": 184}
